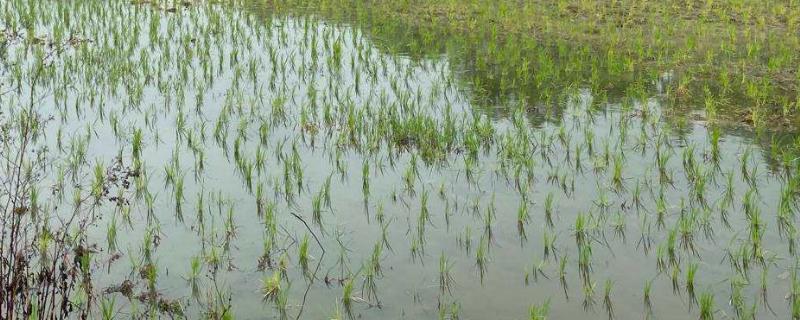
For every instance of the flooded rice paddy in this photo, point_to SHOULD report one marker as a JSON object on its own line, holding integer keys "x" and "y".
{"x": 225, "y": 161}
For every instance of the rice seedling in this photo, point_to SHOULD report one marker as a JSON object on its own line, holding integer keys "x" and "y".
{"x": 607, "y": 304}
{"x": 371, "y": 272}
{"x": 648, "y": 300}
{"x": 691, "y": 272}
{"x": 107, "y": 307}
{"x": 365, "y": 180}
{"x": 548, "y": 210}
{"x": 549, "y": 241}
{"x": 707, "y": 306}
{"x": 303, "y": 254}
{"x": 588, "y": 296}
{"x": 617, "y": 179}
{"x": 480, "y": 257}
{"x": 445, "y": 277}
{"x": 562, "y": 275}
{"x": 539, "y": 312}
{"x": 347, "y": 297}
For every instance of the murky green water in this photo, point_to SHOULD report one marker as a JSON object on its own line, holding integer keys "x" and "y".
{"x": 247, "y": 118}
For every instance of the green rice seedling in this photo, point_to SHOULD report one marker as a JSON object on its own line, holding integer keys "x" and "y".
{"x": 699, "y": 186}
{"x": 671, "y": 246}
{"x": 549, "y": 241}
{"x": 455, "y": 311}
{"x": 707, "y": 306}
{"x": 424, "y": 214}
{"x": 107, "y": 308}
{"x": 690, "y": 276}
{"x": 446, "y": 281}
{"x": 448, "y": 212}
{"x": 661, "y": 210}
{"x": 617, "y": 180}
{"x": 385, "y": 236}
{"x": 794, "y": 295}
{"x": 602, "y": 202}
{"x": 737, "y": 299}
{"x": 416, "y": 249}
{"x": 316, "y": 209}
{"x": 326, "y": 194}
{"x": 577, "y": 158}
{"x": 480, "y": 257}
{"x": 193, "y": 277}
{"x": 337, "y": 314}
{"x": 522, "y": 219}
{"x": 588, "y": 296}
{"x": 539, "y": 312}
{"x": 562, "y": 275}
{"x": 466, "y": 239}
{"x": 260, "y": 199}
{"x": 282, "y": 302}
{"x": 619, "y": 225}
{"x": 303, "y": 254}
{"x": 369, "y": 284}
{"x": 470, "y": 170}
{"x": 705, "y": 221}
{"x": 744, "y": 163}
{"x": 178, "y": 193}
{"x": 380, "y": 214}
{"x": 763, "y": 289}
{"x": 375, "y": 258}
{"x": 548, "y": 210}
{"x": 715, "y": 148}
{"x": 686, "y": 226}
{"x": 607, "y": 304}
{"x": 488, "y": 219}
{"x": 676, "y": 287}
{"x": 409, "y": 177}
{"x": 662, "y": 159}
{"x": 347, "y": 297}
{"x": 637, "y": 196}
{"x": 365, "y": 180}
{"x": 661, "y": 262}
{"x": 581, "y": 229}
{"x": 648, "y": 301}
{"x": 585, "y": 262}
{"x": 111, "y": 234}
{"x": 98, "y": 184}
{"x": 785, "y": 213}
{"x": 538, "y": 270}
{"x": 136, "y": 143}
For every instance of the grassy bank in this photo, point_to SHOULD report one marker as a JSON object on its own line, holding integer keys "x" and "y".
{"x": 733, "y": 59}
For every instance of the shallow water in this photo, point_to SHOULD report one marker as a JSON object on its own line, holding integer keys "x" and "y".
{"x": 301, "y": 99}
